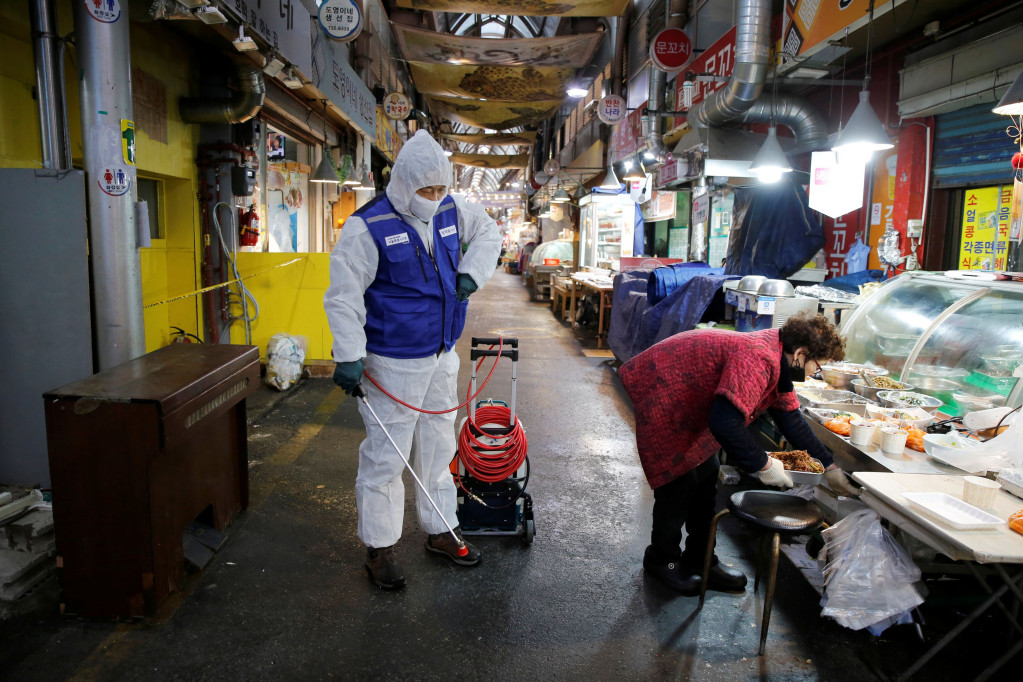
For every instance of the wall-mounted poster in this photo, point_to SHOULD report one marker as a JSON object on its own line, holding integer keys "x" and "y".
{"x": 275, "y": 146}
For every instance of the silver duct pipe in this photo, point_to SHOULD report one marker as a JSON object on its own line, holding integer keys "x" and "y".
{"x": 752, "y": 45}
{"x": 806, "y": 120}
{"x": 50, "y": 89}
{"x": 104, "y": 60}
{"x": 241, "y": 107}
{"x": 676, "y": 16}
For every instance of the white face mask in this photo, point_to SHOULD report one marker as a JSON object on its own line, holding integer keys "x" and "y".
{"x": 423, "y": 208}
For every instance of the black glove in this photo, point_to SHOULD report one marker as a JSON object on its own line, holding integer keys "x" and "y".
{"x": 347, "y": 375}
{"x": 464, "y": 285}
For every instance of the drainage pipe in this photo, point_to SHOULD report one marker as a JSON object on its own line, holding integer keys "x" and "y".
{"x": 104, "y": 62}
{"x": 48, "y": 87}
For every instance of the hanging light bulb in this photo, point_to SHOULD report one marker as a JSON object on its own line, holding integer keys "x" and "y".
{"x": 770, "y": 163}
{"x": 634, "y": 171}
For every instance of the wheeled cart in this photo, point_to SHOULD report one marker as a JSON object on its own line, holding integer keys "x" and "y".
{"x": 493, "y": 507}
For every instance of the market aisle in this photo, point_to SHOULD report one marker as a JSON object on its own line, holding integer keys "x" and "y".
{"x": 287, "y": 597}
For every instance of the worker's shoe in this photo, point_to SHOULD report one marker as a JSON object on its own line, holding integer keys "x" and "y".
{"x": 725, "y": 579}
{"x": 671, "y": 574}
{"x": 383, "y": 568}
{"x": 443, "y": 543}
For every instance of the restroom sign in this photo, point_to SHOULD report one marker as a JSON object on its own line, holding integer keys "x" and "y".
{"x": 341, "y": 19}
{"x": 115, "y": 181}
{"x": 105, "y": 11}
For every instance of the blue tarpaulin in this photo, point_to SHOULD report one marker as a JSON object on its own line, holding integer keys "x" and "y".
{"x": 774, "y": 233}
{"x": 851, "y": 282}
{"x": 636, "y": 324}
{"x": 665, "y": 280}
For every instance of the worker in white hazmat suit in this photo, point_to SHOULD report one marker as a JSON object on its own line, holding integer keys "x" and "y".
{"x": 399, "y": 289}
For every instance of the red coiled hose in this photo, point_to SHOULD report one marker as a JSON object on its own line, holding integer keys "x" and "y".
{"x": 492, "y": 462}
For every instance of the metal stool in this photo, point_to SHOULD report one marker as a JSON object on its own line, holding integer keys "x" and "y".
{"x": 773, "y": 512}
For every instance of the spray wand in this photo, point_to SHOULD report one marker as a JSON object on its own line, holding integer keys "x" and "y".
{"x": 359, "y": 393}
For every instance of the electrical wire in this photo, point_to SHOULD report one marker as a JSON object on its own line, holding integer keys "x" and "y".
{"x": 243, "y": 295}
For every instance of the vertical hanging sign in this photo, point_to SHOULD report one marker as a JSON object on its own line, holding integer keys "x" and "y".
{"x": 341, "y": 19}
{"x": 128, "y": 141}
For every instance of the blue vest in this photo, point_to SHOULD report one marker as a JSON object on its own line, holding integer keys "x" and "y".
{"x": 411, "y": 311}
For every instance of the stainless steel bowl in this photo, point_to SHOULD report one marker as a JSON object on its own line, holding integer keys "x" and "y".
{"x": 750, "y": 283}
{"x": 841, "y": 374}
{"x": 942, "y": 389}
{"x": 872, "y": 391}
{"x": 953, "y": 373}
{"x": 897, "y": 344}
{"x": 779, "y": 288}
{"x": 1001, "y": 364}
{"x": 971, "y": 402}
{"x": 906, "y": 399}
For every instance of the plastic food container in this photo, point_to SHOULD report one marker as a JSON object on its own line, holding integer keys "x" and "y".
{"x": 952, "y": 511}
{"x": 908, "y": 417}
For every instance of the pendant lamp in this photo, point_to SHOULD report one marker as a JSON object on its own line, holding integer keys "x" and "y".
{"x": 635, "y": 171}
{"x": 864, "y": 134}
{"x": 325, "y": 171}
{"x": 1011, "y": 103}
{"x": 770, "y": 162}
{"x": 561, "y": 196}
{"x": 610, "y": 179}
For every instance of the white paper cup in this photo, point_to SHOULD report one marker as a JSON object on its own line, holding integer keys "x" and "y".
{"x": 893, "y": 440}
{"x": 980, "y": 492}
{"x": 860, "y": 432}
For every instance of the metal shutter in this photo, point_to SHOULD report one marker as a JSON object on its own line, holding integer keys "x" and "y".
{"x": 971, "y": 148}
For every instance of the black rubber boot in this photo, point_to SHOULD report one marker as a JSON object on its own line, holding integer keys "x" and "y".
{"x": 671, "y": 574}
{"x": 383, "y": 567}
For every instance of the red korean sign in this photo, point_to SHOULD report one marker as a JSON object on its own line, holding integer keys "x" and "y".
{"x": 718, "y": 59}
{"x": 670, "y": 49}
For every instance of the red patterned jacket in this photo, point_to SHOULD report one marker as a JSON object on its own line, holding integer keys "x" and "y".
{"x": 673, "y": 383}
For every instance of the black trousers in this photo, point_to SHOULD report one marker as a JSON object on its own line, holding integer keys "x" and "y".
{"x": 687, "y": 501}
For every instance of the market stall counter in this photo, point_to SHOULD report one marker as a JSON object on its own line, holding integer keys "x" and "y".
{"x": 988, "y": 553}
{"x": 601, "y": 285}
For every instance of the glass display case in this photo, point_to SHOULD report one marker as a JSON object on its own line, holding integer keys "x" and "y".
{"x": 956, "y": 338}
{"x": 606, "y": 224}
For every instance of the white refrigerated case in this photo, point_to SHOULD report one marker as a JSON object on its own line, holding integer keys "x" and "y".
{"x": 606, "y": 225}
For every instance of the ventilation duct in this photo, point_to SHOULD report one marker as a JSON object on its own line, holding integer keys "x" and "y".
{"x": 242, "y": 106}
{"x": 806, "y": 120}
{"x": 655, "y": 154}
{"x": 752, "y": 42}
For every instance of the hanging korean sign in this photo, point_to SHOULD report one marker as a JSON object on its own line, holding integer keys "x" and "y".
{"x": 341, "y": 19}
{"x": 567, "y": 8}
{"x": 985, "y": 232}
{"x": 396, "y": 106}
{"x": 284, "y": 25}
{"x": 612, "y": 109}
{"x": 493, "y": 115}
{"x": 387, "y": 139}
{"x": 670, "y": 49}
{"x": 338, "y": 81}
{"x": 627, "y": 135}
{"x": 835, "y": 189}
{"x": 492, "y": 83}
{"x": 718, "y": 59}
{"x": 418, "y": 45}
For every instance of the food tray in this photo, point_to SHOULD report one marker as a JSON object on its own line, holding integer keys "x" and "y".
{"x": 952, "y": 511}
{"x": 832, "y": 399}
{"x": 824, "y": 415}
{"x": 805, "y": 477}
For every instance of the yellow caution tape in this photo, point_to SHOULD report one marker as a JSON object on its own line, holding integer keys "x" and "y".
{"x": 223, "y": 284}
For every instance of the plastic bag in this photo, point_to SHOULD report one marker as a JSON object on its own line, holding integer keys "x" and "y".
{"x": 1003, "y": 451}
{"x": 284, "y": 356}
{"x": 868, "y": 578}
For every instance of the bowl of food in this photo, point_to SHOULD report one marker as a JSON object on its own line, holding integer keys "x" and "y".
{"x": 841, "y": 374}
{"x": 802, "y": 468}
{"x": 904, "y": 399}
{"x": 881, "y": 383}
{"x": 907, "y": 417}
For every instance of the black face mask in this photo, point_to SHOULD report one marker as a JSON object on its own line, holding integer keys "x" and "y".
{"x": 797, "y": 373}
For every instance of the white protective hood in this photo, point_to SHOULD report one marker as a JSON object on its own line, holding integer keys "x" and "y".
{"x": 420, "y": 163}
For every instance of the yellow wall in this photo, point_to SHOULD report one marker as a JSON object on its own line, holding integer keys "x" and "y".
{"x": 290, "y": 299}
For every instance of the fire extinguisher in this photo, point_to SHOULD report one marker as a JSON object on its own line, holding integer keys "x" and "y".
{"x": 248, "y": 223}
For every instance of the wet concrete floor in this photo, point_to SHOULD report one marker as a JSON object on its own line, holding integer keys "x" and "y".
{"x": 287, "y": 597}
